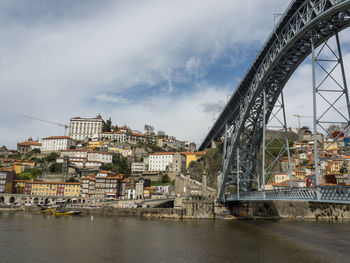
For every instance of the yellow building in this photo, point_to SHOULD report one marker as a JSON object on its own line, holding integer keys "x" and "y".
{"x": 20, "y": 166}
{"x": 44, "y": 188}
{"x": 333, "y": 167}
{"x": 192, "y": 156}
{"x": 95, "y": 144}
{"x": 149, "y": 191}
{"x": 72, "y": 189}
{"x": 47, "y": 188}
{"x": 19, "y": 186}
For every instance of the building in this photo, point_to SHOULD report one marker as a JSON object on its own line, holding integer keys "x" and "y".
{"x": 20, "y": 166}
{"x": 88, "y": 185}
{"x": 178, "y": 163}
{"x": 84, "y": 128}
{"x": 124, "y": 151}
{"x": 139, "y": 191}
{"x": 57, "y": 143}
{"x": 25, "y": 147}
{"x": 138, "y": 168}
{"x": 95, "y": 144}
{"x": 135, "y": 137}
{"x": 163, "y": 161}
{"x": 7, "y": 176}
{"x": 116, "y": 136}
{"x": 333, "y": 167}
{"x": 107, "y": 184}
{"x": 192, "y": 156}
{"x": 103, "y": 157}
{"x": 3, "y": 150}
{"x": 281, "y": 177}
{"x": 149, "y": 191}
{"x": 47, "y": 188}
{"x": 86, "y": 158}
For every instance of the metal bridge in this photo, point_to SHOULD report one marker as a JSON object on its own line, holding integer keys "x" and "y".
{"x": 305, "y": 28}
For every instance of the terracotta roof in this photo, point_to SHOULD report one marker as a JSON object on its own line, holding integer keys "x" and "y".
{"x": 6, "y": 169}
{"x": 188, "y": 153}
{"x": 76, "y": 150}
{"x": 34, "y": 143}
{"x": 38, "y": 182}
{"x": 163, "y": 153}
{"x": 57, "y": 137}
{"x": 137, "y": 134}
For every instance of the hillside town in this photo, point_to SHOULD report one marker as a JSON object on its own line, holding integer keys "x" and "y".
{"x": 98, "y": 162}
{"x": 333, "y": 161}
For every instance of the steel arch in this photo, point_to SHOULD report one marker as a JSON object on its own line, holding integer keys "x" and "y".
{"x": 287, "y": 46}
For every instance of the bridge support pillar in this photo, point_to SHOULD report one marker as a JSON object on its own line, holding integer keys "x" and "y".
{"x": 329, "y": 96}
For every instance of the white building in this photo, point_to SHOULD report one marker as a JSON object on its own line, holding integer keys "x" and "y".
{"x": 103, "y": 157}
{"x": 24, "y": 147}
{"x": 159, "y": 161}
{"x": 87, "y": 156}
{"x": 138, "y": 168}
{"x": 281, "y": 177}
{"x": 56, "y": 143}
{"x": 85, "y": 128}
{"x": 117, "y": 136}
{"x": 162, "y": 161}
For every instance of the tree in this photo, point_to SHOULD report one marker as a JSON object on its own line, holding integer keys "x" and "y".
{"x": 165, "y": 179}
{"x": 29, "y": 174}
{"x": 55, "y": 168}
{"x": 35, "y": 151}
{"x": 108, "y": 125}
{"x": 149, "y": 129}
{"x": 52, "y": 157}
{"x": 306, "y": 129}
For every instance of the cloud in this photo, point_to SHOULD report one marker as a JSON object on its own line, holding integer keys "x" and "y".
{"x": 213, "y": 107}
{"x": 130, "y": 60}
{"x": 112, "y": 98}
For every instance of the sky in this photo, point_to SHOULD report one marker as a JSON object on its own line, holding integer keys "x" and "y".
{"x": 169, "y": 64}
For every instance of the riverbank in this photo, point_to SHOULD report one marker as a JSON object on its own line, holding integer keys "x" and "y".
{"x": 268, "y": 210}
{"x": 290, "y": 210}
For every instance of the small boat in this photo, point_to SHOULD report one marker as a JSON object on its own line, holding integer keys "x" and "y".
{"x": 61, "y": 212}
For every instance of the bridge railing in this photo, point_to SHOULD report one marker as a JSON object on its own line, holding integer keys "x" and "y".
{"x": 336, "y": 194}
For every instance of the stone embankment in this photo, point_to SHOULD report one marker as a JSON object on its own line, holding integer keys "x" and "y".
{"x": 290, "y": 210}
{"x": 190, "y": 210}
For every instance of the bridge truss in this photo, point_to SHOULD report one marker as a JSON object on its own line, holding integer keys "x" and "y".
{"x": 305, "y": 25}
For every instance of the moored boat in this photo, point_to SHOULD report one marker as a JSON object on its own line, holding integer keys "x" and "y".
{"x": 56, "y": 212}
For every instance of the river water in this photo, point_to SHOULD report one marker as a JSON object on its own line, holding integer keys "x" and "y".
{"x": 44, "y": 238}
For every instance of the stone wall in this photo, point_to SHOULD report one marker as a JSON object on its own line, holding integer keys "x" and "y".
{"x": 203, "y": 209}
{"x": 287, "y": 209}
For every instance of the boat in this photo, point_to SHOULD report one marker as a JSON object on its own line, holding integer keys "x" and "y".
{"x": 62, "y": 212}
{"x": 59, "y": 211}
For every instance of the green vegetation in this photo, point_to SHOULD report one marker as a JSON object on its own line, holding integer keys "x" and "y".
{"x": 165, "y": 179}
{"x": 72, "y": 180}
{"x": 118, "y": 165}
{"x": 55, "y": 168}
{"x": 107, "y": 127}
{"x": 15, "y": 156}
{"x": 155, "y": 148}
{"x": 35, "y": 151}
{"x": 51, "y": 157}
{"x": 276, "y": 145}
{"x": 29, "y": 174}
